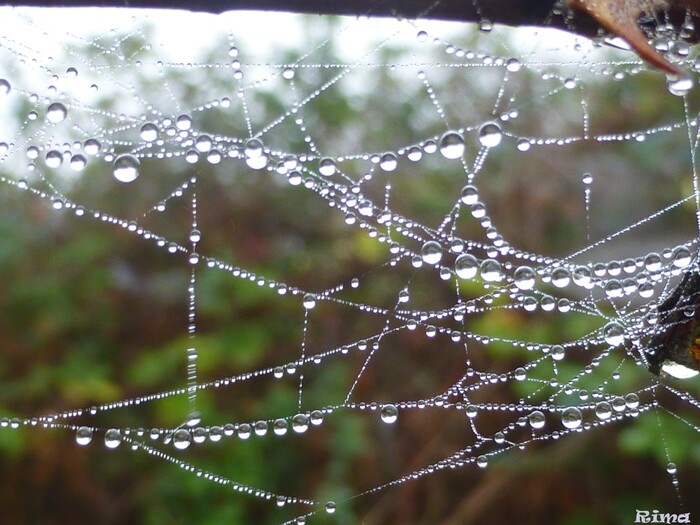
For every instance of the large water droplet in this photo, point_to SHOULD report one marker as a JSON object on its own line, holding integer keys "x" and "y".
{"x": 78, "y": 162}
{"x": 469, "y": 195}
{"x": 513, "y": 65}
{"x": 54, "y": 158}
{"x": 582, "y": 276}
{"x": 536, "y": 419}
{"x": 182, "y": 439}
{"x": 113, "y": 438}
{"x": 452, "y": 145}
{"x": 126, "y": 168}
{"x": 183, "y": 122}
{"x": 560, "y": 277}
{"x": 681, "y": 257}
{"x": 679, "y": 85}
{"x": 260, "y": 428}
{"x": 388, "y": 162}
{"x": 300, "y": 423}
{"x": 466, "y": 266}
{"x": 678, "y": 371}
{"x": 5, "y": 86}
{"x": 431, "y": 252}
{"x": 524, "y": 278}
{"x": 309, "y": 301}
{"x": 56, "y": 112}
{"x": 149, "y": 132}
{"x": 557, "y": 352}
{"x": 490, "y": 135}
{"x": 92, "y": 146}
{"x": 244, "y": 431}
{"x": 603, "y": 410}
{"x": 491, "y": 270}
{"x": 288, "y": 73}
{"x": 614, "y": 333}
{"x": 389, "y": 414}
{"x": 571, "y": 417}
{"x": 280, "y": 426}
{"x": 83, "y": 436}
{"x": 326, "y": 167}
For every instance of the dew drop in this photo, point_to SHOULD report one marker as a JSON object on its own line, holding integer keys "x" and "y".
{"x": 678, "y": 371}
{"x": 288, "y": 73}
{"x": 431, "y": 252}
{"x": 571, "y": 417}
{"x": 316, "y": 417}
{"x": 279, "y": 427}
{"x": 536, "y": 419}
{"x": 681, "y": 257}
{"x": 523, "y": 145}
{"x": 215, "y": 434}
{"x": 558, "y": 352}
{"x": 56, "y": 112}
{"x": 581, "y": 276}
{"x": 203, "y": 143}
{"x": 524, "y": 278}
{"x": 671, "y": 468}
{"x": 195, "y": 236}
{"x": 388, "y": 162}
{"x": 466, "y": 266}
{"x": 560, "y": 277}
{"x": 126, "y": 168}
{"x": 632, "y": 400}
{"x": 244, "y": 431}
{"x": 309, "y": 301}
{"x": 183, "y": 122}
{"x": 491, "y": 270}
{"x": 389, "y": 414}
{"x": 54, "y": 158}
{"x": 5, "y": 86}
{"x": 113, "y": 438}
{"x": 482, "y": 461}
{"x": 327, "y": 167}
{"x": 513, "y": 65}
{"x": 83, "y": 436}
{"x": 490, "y": 135}
{"x": 260, "y": 428}
{"x": 414, "y": 154}
{"x": 92, "y": 146}
{"x": 652, "y": 262}
{"x": 300, "y": 423}
{"x": 149, "y": 132}
{"x": 469, "y": 195}
{"x": 452, "y": 145}
{"x": 614, "y": 333}
{"x": 182, "y": 439}
{"x": 679, "y": 85}
{"x": 603, "y": 410}
{"x": 330, "y": 507}
{"x": 78, "y": 162}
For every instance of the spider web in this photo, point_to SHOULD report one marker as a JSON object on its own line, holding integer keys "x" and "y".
{"x": 340, "y": 270}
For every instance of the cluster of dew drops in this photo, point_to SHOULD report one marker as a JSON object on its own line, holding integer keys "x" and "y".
{"x": 618, "y": 279}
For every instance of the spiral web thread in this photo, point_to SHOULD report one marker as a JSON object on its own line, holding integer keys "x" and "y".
{"x": 489, "y": 106}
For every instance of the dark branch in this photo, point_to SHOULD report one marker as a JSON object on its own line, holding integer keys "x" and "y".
{"x": 587, "y": 17}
